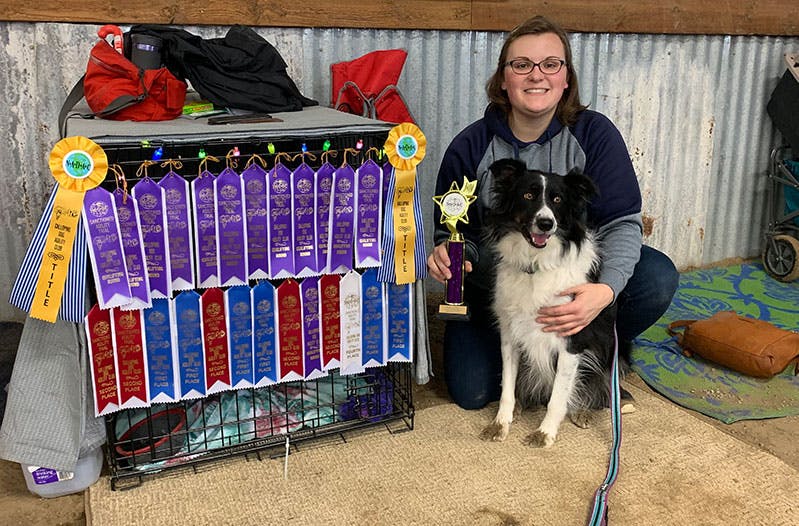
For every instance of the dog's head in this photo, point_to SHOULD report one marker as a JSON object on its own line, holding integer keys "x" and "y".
{"x": 537, "y": 204}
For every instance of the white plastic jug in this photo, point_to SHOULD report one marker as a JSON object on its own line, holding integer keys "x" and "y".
{"x": 49, "y": 483}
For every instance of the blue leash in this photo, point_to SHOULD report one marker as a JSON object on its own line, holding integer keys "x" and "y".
{"x": 599, "y": 512}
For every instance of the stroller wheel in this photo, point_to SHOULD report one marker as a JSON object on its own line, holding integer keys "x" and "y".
{"x": 781, "y": 258}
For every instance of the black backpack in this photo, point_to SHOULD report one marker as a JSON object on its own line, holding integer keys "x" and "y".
{"x": 240, "y": 70}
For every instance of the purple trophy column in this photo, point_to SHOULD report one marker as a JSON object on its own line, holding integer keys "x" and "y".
{"x": 455, "y": 283}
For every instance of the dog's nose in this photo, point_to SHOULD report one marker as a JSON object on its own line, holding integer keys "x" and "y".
{"x": 545, "y": 224}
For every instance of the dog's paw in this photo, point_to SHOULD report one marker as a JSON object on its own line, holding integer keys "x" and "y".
{"x": 539, "y": 439}
{"x": 495, "y": 432}
{"x": 585, "y": 418}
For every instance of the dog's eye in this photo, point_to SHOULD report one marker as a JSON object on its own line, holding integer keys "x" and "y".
{"x": 528, "y": 196}
{"x": 557, "y": 199}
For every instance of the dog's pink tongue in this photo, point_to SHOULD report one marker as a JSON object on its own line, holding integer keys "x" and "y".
{"x": 540, "y": 239}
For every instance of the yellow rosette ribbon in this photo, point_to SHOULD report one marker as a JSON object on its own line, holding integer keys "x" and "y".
{"x": 405, "y": 148}
{"x": 78, "y": 164}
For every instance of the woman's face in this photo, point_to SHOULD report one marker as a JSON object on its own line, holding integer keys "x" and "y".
{"x": 535, "y": 95}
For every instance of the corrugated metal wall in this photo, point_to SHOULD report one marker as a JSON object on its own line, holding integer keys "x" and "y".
{"x": 691, "y": 108}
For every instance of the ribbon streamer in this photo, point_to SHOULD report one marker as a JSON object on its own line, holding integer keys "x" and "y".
{"x": 405, "y": 148}
{"x": 78, "y": 164}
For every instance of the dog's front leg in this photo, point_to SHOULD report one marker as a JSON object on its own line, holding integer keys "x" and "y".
{"x": 558, "y": 406}
{"x": 499, "y": 428}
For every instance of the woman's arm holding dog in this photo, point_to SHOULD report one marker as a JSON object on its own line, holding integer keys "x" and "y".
{"x": 572, "y": 317}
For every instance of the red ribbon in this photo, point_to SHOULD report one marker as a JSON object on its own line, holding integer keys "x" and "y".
{"x": 215, "y": 341}
{"x": 130, "y": 356}
{"x": 330, "y": 318}
{"x": 101, "y": 349}
{"x": 289, "y": 316}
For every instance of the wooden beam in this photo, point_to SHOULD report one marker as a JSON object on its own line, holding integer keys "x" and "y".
{"x": 691, "y": 17}
{"x": 726, "y": 17}
{"x": 412, "y": 14}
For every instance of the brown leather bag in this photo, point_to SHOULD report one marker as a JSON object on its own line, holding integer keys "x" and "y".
{"x": 747, "y": 345}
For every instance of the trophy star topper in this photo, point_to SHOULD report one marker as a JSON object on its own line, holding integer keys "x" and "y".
{"x": 454, "y": 205}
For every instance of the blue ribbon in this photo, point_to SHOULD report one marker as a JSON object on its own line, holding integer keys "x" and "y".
{"x": 264, "y": 333}
{"x": 240, "y": 336}
{"x": 158, "y": 336}
{"x": 400, "y": 311}
{"x": 190, "y": 345}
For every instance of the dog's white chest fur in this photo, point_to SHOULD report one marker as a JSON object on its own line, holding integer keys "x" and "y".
{"x": 528, "y": 279}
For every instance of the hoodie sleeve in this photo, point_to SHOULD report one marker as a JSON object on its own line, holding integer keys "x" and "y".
{"x": 616, "y": 212}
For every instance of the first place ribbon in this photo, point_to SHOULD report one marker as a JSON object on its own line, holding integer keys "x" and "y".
{"x": 78, "y": 164}
{"x": 405, "y": 148}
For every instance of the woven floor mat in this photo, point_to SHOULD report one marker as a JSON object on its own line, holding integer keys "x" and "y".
{"x": 675, "y": 469}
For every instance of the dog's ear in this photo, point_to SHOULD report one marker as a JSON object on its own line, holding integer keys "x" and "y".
{"x": 505, "y": 168}
{"x": 506, "y": 173}
{"x": 582, "y": 184}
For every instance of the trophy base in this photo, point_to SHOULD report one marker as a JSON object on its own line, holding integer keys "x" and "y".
{"x": 454, "y": 312}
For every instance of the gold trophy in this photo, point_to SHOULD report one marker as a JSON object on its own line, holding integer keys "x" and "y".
{"x": 454, "y": 206}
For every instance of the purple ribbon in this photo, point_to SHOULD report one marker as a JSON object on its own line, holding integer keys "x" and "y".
{"x": 309, "y": 290}
{"x": 281, "y": 256}
{"x": 304, "y": 207}
{"x": 231, "y": 236}
{"x": 324, "y": 187}
{"x": 105, "y": 249}
{"x": 133, "y": 247}
{"x": 372, "y": 342}
{"x": 254, "y": 178}
{"x": 181, "y": 253}
{"x": 202, "y": 189}
{"x": 369, "y": 187}
{"x": 152, "y": 214}
{"x": 342, "y": 216}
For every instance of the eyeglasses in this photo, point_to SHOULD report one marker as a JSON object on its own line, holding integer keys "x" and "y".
{"x": 548, "y": 66}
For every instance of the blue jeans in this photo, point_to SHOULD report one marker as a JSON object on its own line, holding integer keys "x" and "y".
{"x": 472, "y": 358}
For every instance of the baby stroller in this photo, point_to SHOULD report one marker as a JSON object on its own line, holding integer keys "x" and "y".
{"x": 781, "y": 250}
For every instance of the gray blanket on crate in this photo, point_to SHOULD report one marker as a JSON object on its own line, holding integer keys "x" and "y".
{"x": 49, "y": 419}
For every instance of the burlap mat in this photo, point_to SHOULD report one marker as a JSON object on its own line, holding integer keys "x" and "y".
{"x": 675, "y": 469}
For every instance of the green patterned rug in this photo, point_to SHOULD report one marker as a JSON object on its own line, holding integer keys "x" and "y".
{"x": 706, "y": 387}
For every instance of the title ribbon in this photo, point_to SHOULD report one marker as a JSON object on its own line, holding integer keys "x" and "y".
{"x": 405, "y": 148}
{"x": 78, "y": 164}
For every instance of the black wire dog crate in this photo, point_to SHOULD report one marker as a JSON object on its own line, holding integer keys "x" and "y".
{"x": 261, "y": 421}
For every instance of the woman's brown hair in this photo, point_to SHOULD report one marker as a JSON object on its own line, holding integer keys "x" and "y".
{"x": 569, "y": 105}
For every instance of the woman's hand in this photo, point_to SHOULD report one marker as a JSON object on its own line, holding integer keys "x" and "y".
{"x": 570, "y": 318}
{"x": 438, "y": 263}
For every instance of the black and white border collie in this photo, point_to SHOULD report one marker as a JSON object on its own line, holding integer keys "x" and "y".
{"x": 536, "y": 228}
